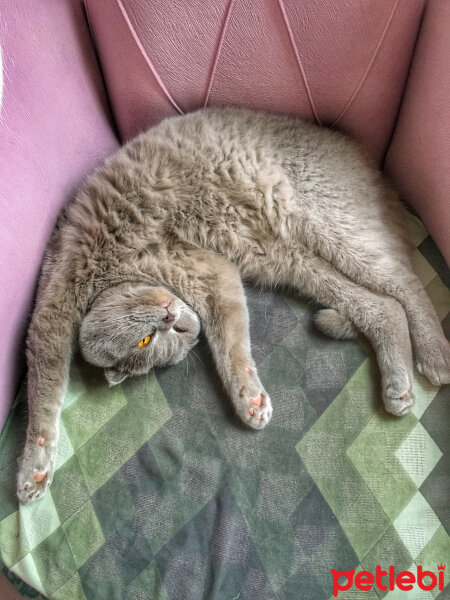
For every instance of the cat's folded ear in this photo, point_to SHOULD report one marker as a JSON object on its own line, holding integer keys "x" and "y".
{"x": 114, "y": 375}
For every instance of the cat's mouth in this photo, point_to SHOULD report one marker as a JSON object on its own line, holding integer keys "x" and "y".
{"x": 188, "y": 323}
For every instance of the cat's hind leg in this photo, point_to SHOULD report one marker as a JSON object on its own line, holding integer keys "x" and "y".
{"x": 431, "y": 348}
{"x": 361, "y": 230}
{"x": 381, "y": 318}
{"x": 387, "y": 269}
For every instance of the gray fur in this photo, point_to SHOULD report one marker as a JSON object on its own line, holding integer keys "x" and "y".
{"x": 189, "y": 209}
{"x": 335, "y": 325}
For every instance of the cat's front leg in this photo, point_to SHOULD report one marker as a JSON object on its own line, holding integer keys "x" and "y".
{"x": 46, "y": 389}
{"x": 49, "y": 345}
{"x": 219, "y": 300}
{"x": 230, "y": 345}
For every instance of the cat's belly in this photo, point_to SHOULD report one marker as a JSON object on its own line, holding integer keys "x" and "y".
{"x": 243, "y": 216}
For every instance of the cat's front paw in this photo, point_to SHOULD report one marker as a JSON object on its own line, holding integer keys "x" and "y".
{"x": 256, "y": 412}
{"x": 397, "y": 393}
{"x": 35, "y": 470}
{"x": 253, "y": 403}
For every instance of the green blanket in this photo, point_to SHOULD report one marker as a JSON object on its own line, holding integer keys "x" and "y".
{"x": 160, "y": 493}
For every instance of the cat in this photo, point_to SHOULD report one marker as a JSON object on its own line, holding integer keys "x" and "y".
{"x": 158, "y": 240}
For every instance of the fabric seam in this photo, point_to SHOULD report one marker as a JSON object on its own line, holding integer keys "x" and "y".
{"x": 145, "y": 56}
{"x": 369, "y": 66}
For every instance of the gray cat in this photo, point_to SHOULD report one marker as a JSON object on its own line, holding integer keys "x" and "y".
{"x": 159, "y": 239}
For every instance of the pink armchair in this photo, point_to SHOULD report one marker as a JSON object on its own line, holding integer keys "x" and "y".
{"x": 378, "y": 70}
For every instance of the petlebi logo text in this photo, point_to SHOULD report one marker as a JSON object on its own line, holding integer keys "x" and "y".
{"x": 388, "y": 580}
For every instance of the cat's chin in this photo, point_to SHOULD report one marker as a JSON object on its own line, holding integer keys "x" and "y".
{"x": 187, "y": 323}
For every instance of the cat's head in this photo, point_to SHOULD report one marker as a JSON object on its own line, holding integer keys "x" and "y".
{"x": 132, "y": 327}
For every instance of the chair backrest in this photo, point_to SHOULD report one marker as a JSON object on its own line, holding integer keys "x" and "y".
{"x": 342, "y": 63}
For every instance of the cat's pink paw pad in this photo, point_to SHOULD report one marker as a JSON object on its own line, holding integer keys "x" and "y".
{"x": 35, "y": 469}
{"x": 252, "y": 402}
{"x": 258, "y": 414}
{"x": 256, "y": 401}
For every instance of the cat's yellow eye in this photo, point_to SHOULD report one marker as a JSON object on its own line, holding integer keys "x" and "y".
{"x": 145, "y": 341}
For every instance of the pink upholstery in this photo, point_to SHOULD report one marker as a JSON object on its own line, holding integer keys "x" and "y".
{"x": 339, "y": 62}
{"x": 53, "y": 129}
{"x": 419, "y": 155}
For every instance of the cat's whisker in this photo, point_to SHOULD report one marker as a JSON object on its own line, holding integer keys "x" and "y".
{"x": 197, "y": 357}
{"x": 187, "y": 364}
